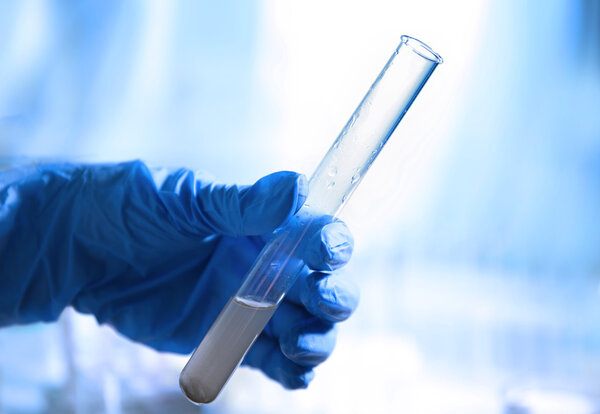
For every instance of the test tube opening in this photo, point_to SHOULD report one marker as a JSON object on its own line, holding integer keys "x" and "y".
{"x": 421, "y": 49}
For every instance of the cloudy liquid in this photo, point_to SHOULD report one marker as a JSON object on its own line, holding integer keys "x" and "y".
{"x": 223, "y": 348}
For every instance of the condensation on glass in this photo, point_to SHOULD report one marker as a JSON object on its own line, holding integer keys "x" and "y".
{"x": 335, "y": 179}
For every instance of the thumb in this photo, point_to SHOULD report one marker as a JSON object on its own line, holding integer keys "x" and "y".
{"x": 268, "y": 203}
{"x": 240, "y": 210}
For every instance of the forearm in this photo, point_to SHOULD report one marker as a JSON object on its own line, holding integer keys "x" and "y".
{"x": 62, "y": 229}
{"x": 84, "y": 235}
{"x": 30, "y": 220}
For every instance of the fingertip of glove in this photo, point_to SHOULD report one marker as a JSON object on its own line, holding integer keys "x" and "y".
{"x": 337, "y": 244}
{"x": 290, "y": 186}
{"x": 335, "y": 298}
{"x": 272, "y": 200}
{"x": 310, "y": 343}
{"x": 297, "y": 380}
{"x": 334, "y": 311}
{"x": 330, "y": 247}
{"x": 308, "y": 349}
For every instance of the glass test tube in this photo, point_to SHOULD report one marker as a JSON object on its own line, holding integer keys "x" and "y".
{"x": 337, "y": 176}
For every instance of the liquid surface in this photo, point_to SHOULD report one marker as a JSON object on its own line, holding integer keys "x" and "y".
{"x": 223, "y": 348}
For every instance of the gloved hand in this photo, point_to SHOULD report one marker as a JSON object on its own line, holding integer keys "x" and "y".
{"x": 158, "y": 254}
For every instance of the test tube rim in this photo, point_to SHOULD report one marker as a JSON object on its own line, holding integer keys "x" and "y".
{"x": 421, "y": 49}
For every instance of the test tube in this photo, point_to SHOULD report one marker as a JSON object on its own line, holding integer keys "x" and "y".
{"x": 276, "y": 269}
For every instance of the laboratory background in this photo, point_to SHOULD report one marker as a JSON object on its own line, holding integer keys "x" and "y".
{"x": 477, "y": 232}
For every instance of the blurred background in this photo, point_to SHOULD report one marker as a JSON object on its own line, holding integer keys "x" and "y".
{"x": 477, "y": 231}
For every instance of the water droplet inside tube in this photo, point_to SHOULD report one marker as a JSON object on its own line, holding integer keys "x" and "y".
{"x": 332, "y": 171}
{"x": 355, "y": 177}
{"x": 331, "y": 185}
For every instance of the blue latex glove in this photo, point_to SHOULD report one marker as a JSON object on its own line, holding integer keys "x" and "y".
{"x": 158, "y": 254}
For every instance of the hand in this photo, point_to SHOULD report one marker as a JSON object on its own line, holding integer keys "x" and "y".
{"x": 158, "y": 254}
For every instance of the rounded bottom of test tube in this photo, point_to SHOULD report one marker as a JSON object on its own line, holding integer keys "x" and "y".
{"x": 194, "y": 391}
{"x": 223, "y": 348}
